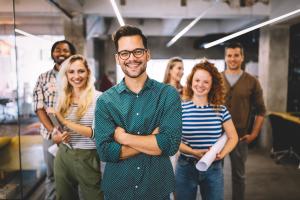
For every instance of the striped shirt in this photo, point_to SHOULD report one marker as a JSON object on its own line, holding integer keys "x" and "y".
{"x": 44, "y": 95}
{"x": 78, "y": 141}
{"x": 202, "y": 125}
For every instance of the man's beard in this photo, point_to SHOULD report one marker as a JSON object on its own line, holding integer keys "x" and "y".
{"x": 142, "y": 70}
{"x": 59, "y": 60}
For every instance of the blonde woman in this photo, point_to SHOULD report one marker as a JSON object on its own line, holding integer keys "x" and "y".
{"x": 174, "y": 73}
{"x": 204, "y": 117}
{"x": 76, "y": 163}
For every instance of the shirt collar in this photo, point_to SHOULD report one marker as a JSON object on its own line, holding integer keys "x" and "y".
{"x": 54, "y": 71}
{"x": 122, "y": 86}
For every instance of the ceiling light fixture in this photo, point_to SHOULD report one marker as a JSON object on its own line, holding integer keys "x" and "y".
{"x": 189, "y": 26}
{"x": 31, "y": 35}
{"x": 117, "y": 12}
{"x": 219, "y": 41}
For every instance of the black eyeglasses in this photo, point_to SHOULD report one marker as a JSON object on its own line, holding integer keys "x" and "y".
{"x": 125, "y": 54}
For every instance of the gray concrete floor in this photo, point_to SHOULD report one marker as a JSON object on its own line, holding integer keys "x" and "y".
{"x": 266, "y": 180}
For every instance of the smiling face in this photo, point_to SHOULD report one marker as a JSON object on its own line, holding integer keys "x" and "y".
{"x": 234, "y": 58}
{"x": 77, "y": 75}
{"x": 201, "y": 83}
{"x": 132, "y": 67}
{"x": 60, "y": 53}
{"x": 176, "y": 72}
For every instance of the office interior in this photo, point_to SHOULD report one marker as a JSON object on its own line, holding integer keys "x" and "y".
{"x": 28, "y": 28}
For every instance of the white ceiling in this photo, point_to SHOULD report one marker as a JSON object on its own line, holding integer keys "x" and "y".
{"x": 155, "y": 17}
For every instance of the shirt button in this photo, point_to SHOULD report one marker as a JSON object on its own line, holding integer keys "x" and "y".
{"x": 138, "y": 168}
{"x": 138, "y": 132}
{"x": 136, "y": 187}
{"x": 137, "y": 96}
{"x": 137, "y": 113}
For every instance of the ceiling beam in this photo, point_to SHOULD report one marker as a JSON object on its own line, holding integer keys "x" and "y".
{"x": 59, "y": 7}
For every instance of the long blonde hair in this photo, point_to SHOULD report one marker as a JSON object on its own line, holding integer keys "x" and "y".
{"x": 65, "y": 90}
{"x": 169, "y": 67}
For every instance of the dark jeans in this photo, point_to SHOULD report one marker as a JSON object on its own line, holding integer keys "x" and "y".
{"x": 238, "y": 159}
{"x": 188, "y": 178}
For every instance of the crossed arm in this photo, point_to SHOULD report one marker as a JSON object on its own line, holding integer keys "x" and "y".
{"x": 135, "y": 144}
{"x": 114, "y": 143}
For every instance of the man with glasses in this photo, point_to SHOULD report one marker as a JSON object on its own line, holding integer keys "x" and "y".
{"x": 137, "y": 126}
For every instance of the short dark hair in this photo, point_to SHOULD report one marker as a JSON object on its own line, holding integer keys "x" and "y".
{"x": 234, "y": 45}
{"x": 71, "y": 47}
{"x": 128, "y": 30}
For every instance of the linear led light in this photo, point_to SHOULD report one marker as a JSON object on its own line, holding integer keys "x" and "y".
{"x": 188, "y": 27}
{"x": 31, "y": 35}
{"x": 117, "y": 12}
{"x": 228, "y": 37}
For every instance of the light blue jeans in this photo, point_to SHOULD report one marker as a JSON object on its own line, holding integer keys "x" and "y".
{"x": 188, "y": 178}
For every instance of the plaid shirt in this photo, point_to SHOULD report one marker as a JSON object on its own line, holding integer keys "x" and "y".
{"x": 44, "y": 95}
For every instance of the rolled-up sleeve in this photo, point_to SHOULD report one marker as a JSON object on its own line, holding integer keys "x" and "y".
{"x": 107, "y": 148}
{"x": 170, "y": 127}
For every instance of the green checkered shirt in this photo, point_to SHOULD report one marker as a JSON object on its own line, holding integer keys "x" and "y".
{"x": 142, "y": 176}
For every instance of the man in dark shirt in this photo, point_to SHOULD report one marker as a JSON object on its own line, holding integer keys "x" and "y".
{"x": 243, "y": 95}
{"x": 137, "y": 126}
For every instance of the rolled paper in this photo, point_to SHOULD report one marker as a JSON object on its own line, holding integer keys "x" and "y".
{"x": 204, "y": 163}
{"x": 53, "y": 149}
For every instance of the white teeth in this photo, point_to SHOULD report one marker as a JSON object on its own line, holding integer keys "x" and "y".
{"x": 133, "y": 65}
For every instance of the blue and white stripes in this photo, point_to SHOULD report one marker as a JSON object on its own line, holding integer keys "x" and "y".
{"x": 202, "y": 125}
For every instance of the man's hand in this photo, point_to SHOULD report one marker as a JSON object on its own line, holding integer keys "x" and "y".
{"x": 248, "y": 138}
{"x": 57, "y": 136}
{"x": 119, "y": 135}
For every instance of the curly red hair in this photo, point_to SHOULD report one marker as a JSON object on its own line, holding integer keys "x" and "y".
{"x": 216, "y": 95}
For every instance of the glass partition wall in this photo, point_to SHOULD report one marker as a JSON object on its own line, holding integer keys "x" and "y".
{"x": 22, "y": 59}
{"x": 10, "y": 159}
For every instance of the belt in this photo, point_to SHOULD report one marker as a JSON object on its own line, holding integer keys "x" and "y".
{"x": 189, "y": 159}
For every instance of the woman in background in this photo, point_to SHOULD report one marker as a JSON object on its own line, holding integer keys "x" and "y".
{"x": 204, "y": 117}
{"x": 76, "y": 163}
{"x": 174, "y": 73}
